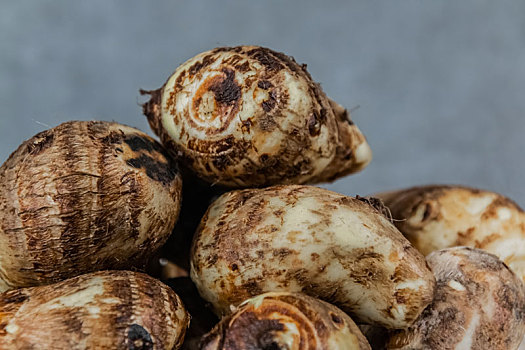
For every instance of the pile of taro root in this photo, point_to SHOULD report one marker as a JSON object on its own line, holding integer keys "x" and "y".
{"x": 215, "y": 238}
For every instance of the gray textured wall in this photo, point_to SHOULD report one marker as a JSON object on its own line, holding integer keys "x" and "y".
{"x": 440, "y": 85}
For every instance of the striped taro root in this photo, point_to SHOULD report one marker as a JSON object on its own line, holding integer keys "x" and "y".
{"x": 81, "y": 197}
{"x": 249, "y": 116}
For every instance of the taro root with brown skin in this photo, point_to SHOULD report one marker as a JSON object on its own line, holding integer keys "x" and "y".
{"x": 311, "y": 240}
{"x": 479, "y": 304}
{"x": 248, "y": 116}
{"x": 81, "y": 197}
{"x": 102, "y": 310}
{"x": 440, "y": 216}
{"x": 291, "y": 321}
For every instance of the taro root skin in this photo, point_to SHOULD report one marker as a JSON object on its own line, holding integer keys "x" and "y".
{"x": 285, "y": 321}
{"x": 101, "y": 310}
{"x": 307, "y": 239}
{"x": 81, "y": 197}
{"x": 248, "y": 116}
{"x": 439, "y": 216}
{"x": 479, "y": 304}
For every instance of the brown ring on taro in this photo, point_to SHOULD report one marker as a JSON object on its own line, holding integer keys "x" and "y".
{"x": 220, "y": 92}
{"x": 285, "y": 313}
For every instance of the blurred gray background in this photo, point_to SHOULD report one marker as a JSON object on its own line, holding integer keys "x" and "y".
{"x": 440, "y": 85}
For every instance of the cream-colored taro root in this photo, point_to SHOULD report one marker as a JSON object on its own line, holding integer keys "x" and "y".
{"x": 479, "y": 304}
{"x": 307, "y": 239}
{"x": 291, "y": 321}
{"x": 439, "y": 216}
{"x": 248, "y": 116}
{"x": 102, "y": 310}
{"x": 81, "y": 197}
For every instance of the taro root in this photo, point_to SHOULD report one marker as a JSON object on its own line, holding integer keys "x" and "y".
{"x": 437, "y": 217}
{"x": 101, "y": 310}
{"x": 81, "y": 197}
{"x": 285, "y": 321}
{"x": 248, "y": 116}
{"x": 479, "y": 304}
{"x": 311, "y": 240}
